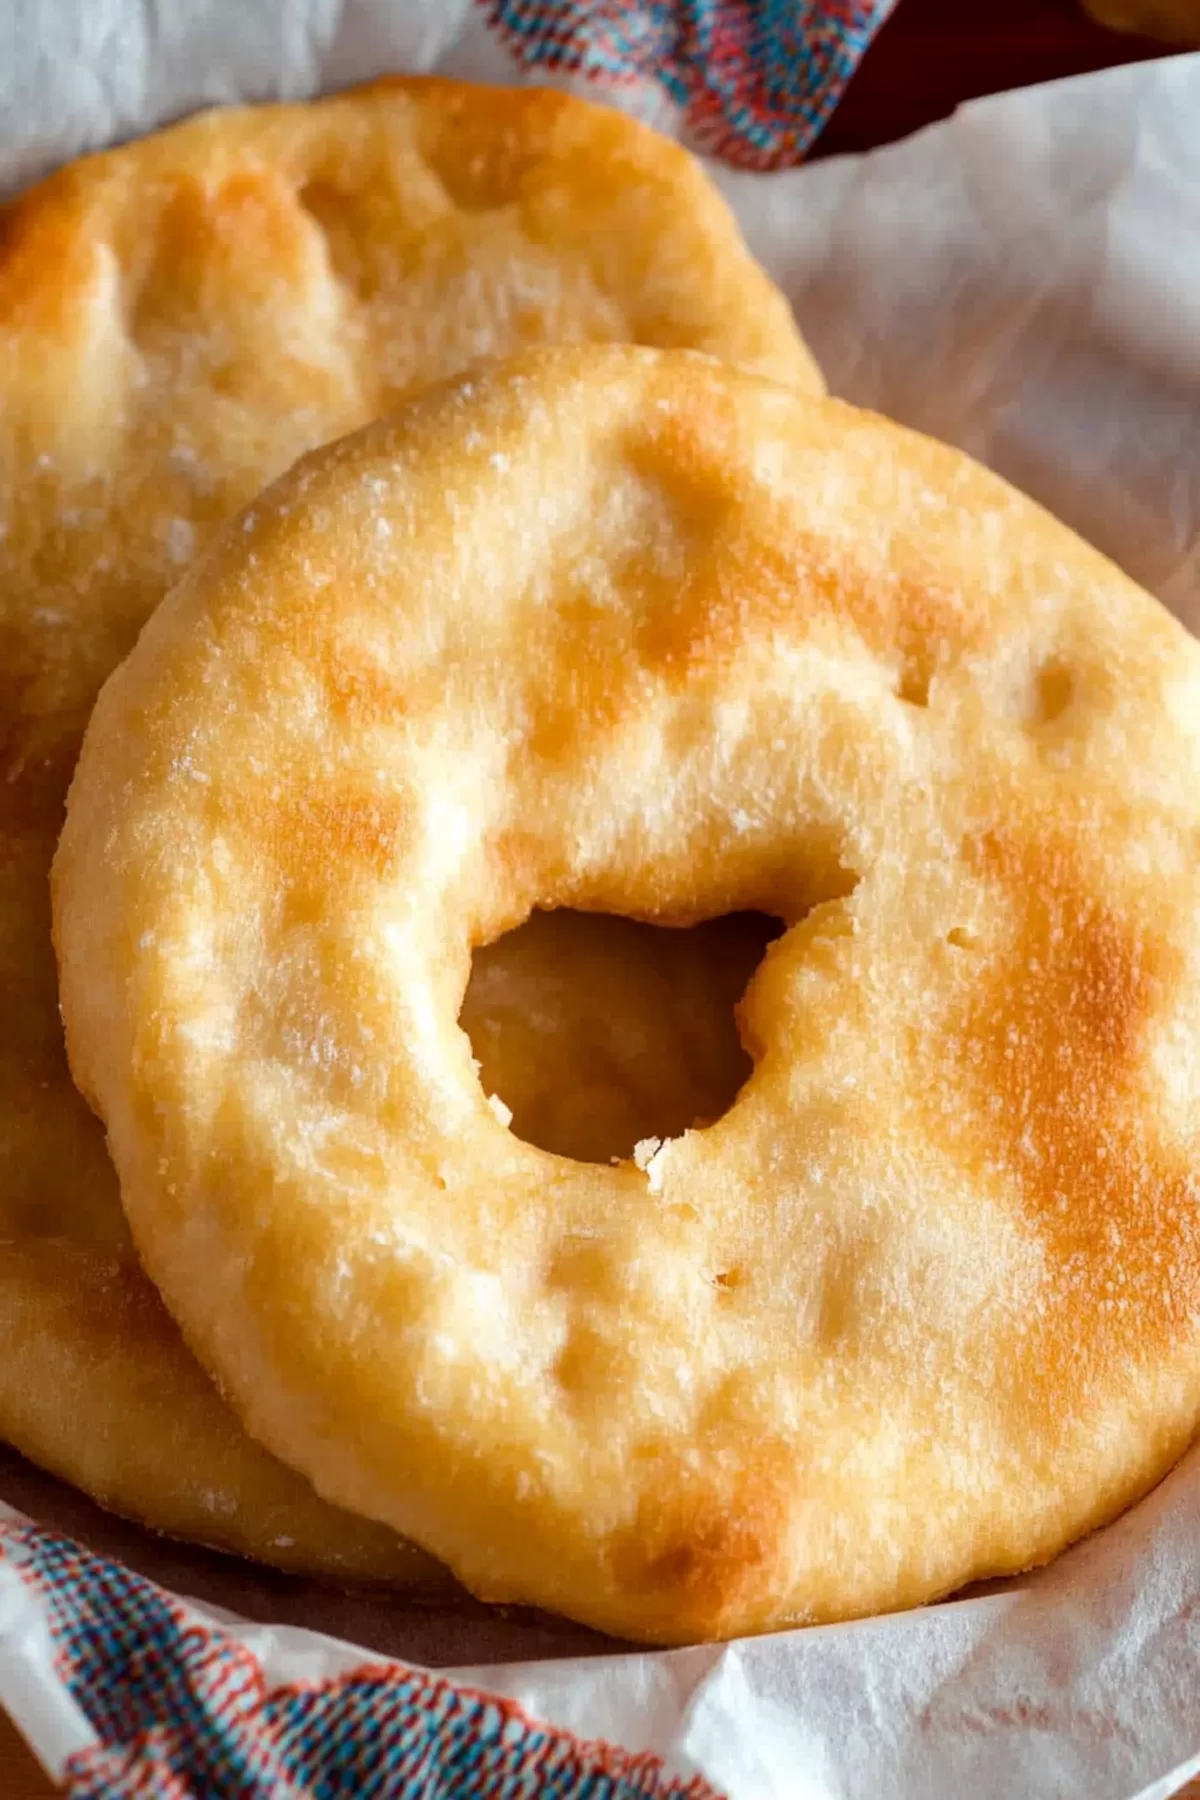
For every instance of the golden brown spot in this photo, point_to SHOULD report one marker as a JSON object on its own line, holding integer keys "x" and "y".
{"x": 363, "y": 691}
{"x": 593, "y": 679}
{"x": 484, "y": 143}
{"x": 332, "y": 829}
{"x": 689, "y": 460}
{"x": 755, "y": 580}
{"x": 705, "y": 1552}
{"x": 253, "y": 206}
{"x": 913, "y": 687}
{"x": 1049, "y": 1053}
{"x": 245, "y": 235}
{"x": 363, "y": 228}
{"x": 46, "y": 260}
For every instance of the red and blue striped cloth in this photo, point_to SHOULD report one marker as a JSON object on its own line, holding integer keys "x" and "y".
{"x": 179, "y": 1709}
{"x": 751, "y": 81}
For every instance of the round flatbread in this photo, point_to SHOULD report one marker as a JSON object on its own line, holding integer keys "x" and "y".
{"x": 631, "y": 631}
{"x": 179, "y": 320}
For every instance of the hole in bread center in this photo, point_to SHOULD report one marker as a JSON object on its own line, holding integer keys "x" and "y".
{"x": 600, "y": 1032}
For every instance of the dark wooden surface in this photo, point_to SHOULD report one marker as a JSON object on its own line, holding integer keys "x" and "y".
{"x": 21, "y": 1776}
{"x": 931, "y": 55}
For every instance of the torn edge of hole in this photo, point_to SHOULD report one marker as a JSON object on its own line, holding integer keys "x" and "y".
{"x": 649, "y": 1154}
{"x": 499, "y": 1110}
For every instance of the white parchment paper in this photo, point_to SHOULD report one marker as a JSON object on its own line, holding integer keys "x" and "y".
{"x": 1023, "y": 280}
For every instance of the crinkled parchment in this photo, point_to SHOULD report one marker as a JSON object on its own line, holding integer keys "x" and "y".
{"x": 1023, "y": 280}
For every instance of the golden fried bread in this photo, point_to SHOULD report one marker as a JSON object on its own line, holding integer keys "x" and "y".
{"x": 632, "y": 632}
{"x": 179, "y": 319}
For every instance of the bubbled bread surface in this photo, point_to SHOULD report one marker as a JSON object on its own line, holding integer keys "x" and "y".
{"x": 628, "y": 631}
{"x": 180, "y": 319}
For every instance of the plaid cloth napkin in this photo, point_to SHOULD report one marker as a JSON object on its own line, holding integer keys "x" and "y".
{"x": 175, "y": 1708}
{"x": 748, "y": 81}
{"x": 170, "y": 1705}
